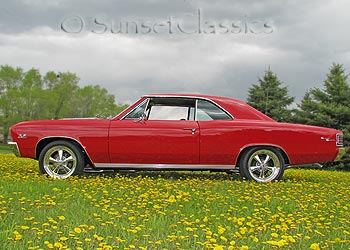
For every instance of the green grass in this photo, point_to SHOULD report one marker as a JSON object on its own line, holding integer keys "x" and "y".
{"x": 5, "y": 149}
{"x": 309, "y": 209}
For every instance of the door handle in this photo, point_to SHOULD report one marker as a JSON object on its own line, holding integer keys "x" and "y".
{"x": 193, "y": 130}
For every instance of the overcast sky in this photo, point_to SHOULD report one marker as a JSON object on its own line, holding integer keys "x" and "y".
{"x": 178, "y": 46}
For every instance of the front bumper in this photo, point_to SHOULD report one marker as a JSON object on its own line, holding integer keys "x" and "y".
{"x": 341, "y": 153}
{"x": 14, "y": 148}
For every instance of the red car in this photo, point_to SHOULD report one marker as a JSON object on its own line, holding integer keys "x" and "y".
{"x": 176, "y": 132}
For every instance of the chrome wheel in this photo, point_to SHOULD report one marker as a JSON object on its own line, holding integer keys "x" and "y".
{"x": 61, "y": 159}
{"x": 262, "y": 164}
{"x": 60, "y": 162}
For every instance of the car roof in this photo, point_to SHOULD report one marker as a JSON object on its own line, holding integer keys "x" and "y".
{"x": 236, "y": 108}
{"x": 201, "y": 96}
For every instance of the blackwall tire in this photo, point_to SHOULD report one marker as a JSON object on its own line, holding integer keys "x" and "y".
{"x": 262, "y": 164}
{"x": 61, "y": 159}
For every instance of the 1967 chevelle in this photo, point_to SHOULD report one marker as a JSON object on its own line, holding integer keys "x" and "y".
{"x": 176, "y": 132}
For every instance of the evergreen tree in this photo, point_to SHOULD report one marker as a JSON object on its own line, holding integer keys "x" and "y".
{"x": 270, "y": 97}
{"x": 329, "y": 107}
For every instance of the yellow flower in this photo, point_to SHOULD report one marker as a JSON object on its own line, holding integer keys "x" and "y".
{"x": 219, "y": 248}
{"x": 63, "y": 238}
{"x": 58, "y": 245}
{"x": 223, "y": 238}
{"x": 61, "y": 217}
{"x": 18, "y": 236}
{"x": 274, "y": 235}
{"x": 315, "y": 246}
{"x": 77, "y": 230}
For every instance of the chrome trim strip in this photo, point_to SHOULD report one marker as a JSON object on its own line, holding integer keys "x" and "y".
{"x": 146, "y": 100}
{"x": 64, "y": 137}
{"x": 192, "y": 97}
{"x": 263, "y": 145}
{"x": 165, "y": 166}
{"x": 195, "y": 110}
{"x": 15, "y": 149}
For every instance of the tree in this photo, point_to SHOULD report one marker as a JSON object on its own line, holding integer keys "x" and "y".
{"x": 270, "y": 98}
{"x": 29, "y": 96}
{"x": 93, "y": 101}
{"x": 61, "y": 88}
{"x": 329, "y": 107}
{"x": 10, "y": 80}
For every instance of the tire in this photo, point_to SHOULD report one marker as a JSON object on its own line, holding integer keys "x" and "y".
{"x": 61, "y": 159}
{"x": 262, "y": 164}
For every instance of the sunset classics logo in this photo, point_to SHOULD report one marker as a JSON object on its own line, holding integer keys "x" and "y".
{"x": 188, "y": 24}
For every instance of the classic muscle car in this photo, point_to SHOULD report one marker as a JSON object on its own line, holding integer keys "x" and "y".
{"x": 176, "y": 132}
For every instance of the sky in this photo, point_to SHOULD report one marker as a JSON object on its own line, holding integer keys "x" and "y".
{"x": 139, "y": 47}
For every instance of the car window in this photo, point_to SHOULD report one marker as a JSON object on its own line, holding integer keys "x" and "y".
{"x": 137, "y": 112}
{"x": 168, "y": 113}
{"x": 207, "y": 111}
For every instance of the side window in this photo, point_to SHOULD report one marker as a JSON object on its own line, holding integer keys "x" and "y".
{"x": 207, "y": 111}
{"x": 137, "y": 112}
{"x": 171, "y": 108}
{"x": 168, "y": 113}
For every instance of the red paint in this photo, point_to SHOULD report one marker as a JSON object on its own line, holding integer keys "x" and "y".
{"x": 173, "y": 142}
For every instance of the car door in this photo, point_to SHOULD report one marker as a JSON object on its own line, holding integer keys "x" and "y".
{"x": 158, "y": 131}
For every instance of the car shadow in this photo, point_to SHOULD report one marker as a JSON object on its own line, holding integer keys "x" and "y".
{"x": 173, "y": 175}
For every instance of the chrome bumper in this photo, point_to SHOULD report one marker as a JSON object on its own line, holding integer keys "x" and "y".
{"x": 14, "y": 148}
{"x": 341, "y": 153}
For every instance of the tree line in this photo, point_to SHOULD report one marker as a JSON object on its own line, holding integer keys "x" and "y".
{"x": 27, "y": 95}
{"x": 327, "y": 107}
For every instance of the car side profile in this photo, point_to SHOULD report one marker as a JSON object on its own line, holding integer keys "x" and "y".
{"x": 176, "y": 132}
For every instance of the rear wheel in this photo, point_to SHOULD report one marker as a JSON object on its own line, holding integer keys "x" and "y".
{"x": 61, "y": 159}
{"x": 262, "y": 164}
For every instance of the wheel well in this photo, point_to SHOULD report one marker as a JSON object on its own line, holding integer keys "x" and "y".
{"x": 41, "y": 144}
{"x": 283, "y": 153}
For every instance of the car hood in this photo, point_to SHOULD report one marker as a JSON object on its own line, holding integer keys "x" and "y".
{"x": 61, "y": 122}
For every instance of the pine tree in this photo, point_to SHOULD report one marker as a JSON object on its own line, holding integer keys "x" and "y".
{"x": 270, "y": 97}
{"x": 329, "y": 107}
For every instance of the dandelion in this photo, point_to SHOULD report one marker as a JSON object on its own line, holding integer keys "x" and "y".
{"x": 61, "y": 217}
{"x": 315, "y": 246}
{"x": 18, "y": 236}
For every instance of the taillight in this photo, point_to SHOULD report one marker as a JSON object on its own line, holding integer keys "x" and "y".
{"x": 340, "y": 140}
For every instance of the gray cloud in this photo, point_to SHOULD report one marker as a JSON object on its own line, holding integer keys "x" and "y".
{"x": 304, "y": 38}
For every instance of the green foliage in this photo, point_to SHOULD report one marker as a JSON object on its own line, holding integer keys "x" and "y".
{"x": 270, "y": 98}
{"x": 329, "y": 107}
{"x": 30, "y": 96}
{"x": 5, "y": 149}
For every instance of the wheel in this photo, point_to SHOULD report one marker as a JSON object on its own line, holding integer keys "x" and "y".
{"x": 262, "y": 164}
{"x": 61, "y": 159}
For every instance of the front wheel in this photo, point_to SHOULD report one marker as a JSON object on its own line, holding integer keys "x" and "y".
{"x": 61, "y": 159}
{"x": 262, "y": 164}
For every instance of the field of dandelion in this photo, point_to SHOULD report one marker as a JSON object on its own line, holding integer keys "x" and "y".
{"x": 309, "y": 209}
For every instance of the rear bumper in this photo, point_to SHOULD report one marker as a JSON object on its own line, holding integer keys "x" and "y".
{"x": 341, "y": 153}
{"x": 14, "y": 148}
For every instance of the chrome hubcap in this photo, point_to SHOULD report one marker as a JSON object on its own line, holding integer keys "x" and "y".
{"x": 60, "y": 162}
{"x": 264, "y": 165}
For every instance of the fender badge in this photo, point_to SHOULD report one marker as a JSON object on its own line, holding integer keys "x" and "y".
{"x": 22, "y": 136}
